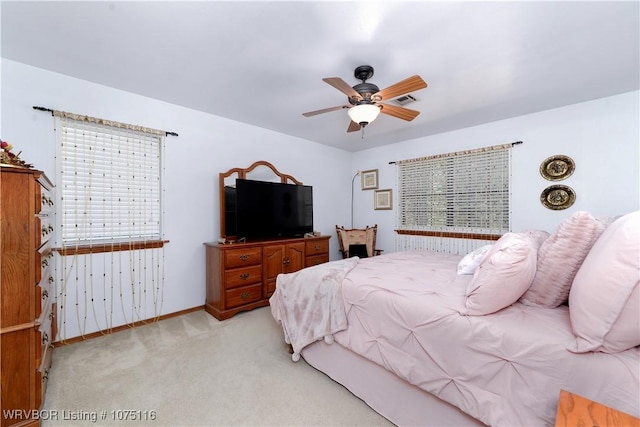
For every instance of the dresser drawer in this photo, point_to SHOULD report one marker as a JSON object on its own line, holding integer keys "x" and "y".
{"x": 45, "y": 252}
{"x": 316, "y": 247}
{"x": 243, "y": 256}
{"x": 43, "y": 304}
{"x": 45, "y": 227}
{"x": 42, "y": 375}
{"x": 243, "y": 276}
{"x": 47, "y": 281}
{"x": 43, "y": 238}
{"x": 43, "y": 335}
{"x": 44, "y": 272}
{"x": 42, "y": 345}
{"x": 43, "y": 200}
{"x": 46, "y": 203}
{"x": 244, "y": 295}
{"x": 316, "y": 259}
{"x": 44, "y": 261}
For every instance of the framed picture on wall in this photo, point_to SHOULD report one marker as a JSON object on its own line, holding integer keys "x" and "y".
{"x": 382, "y": 199}
{"x": 369, "y": 179}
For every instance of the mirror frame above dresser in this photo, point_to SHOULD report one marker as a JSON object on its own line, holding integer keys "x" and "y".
{"x": 259, "y": 171}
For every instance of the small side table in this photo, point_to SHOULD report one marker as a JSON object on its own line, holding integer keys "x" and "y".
{"x": 574, "y": 410}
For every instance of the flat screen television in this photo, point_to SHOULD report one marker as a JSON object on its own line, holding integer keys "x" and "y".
{"x": 265, "y": 210}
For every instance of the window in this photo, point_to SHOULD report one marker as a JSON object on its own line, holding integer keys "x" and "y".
{"x": 109, "y": 182}
{"x": 465, "y": 192}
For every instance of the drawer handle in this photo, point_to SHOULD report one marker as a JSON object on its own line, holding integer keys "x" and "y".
{"x": 245, "y": 276}
{"x": 245, "y": 295}
{"x": 317, "y": 248}
{"x": 244, "y": 257}
{"x": 286, "y": 261}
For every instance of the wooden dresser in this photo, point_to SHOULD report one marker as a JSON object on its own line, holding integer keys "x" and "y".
{"x": 27, "y": 311}
{"x": 242, "y": 276}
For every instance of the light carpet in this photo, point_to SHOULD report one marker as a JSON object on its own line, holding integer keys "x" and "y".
{"x": 195, "y": 370}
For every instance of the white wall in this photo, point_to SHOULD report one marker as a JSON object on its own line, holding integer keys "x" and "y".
{"x": 602, "y": 137}
{"x": 206, "y": 146}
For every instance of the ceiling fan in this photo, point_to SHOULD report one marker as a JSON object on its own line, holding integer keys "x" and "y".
{"x": 365, "y": 99}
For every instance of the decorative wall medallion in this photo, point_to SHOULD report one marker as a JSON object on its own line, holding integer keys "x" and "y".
{"x": 557, "y": 197}
{"x": 556, "y": 168}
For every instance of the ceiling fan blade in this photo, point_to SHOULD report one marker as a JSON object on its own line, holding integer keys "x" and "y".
{"x": 325, "y": 110}
{"x": 405, "y": 86}
{"x": 399, "y": 112}
{"x": 353, "y": 126}
{"x": 342, "y": 86}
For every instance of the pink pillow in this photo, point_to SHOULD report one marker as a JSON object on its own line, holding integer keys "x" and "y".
{"x": 604, "y": 303}
{"x": 503, "y": 275}
{"x": 559, "y": 258}
{"x": 538, "y": 236}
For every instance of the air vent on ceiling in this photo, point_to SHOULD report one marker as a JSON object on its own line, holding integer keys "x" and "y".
{"x": 405, "y": 99}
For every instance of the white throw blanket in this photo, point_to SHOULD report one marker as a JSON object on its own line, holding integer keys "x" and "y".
{"x": 308, "y": 303}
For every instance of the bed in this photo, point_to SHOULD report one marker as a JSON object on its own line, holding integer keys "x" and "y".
{"x": 425, "y": 345}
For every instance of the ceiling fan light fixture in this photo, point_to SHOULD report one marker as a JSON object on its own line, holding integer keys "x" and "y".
{"x": 363, "y": 114}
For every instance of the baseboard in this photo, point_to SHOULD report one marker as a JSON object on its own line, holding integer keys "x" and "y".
{"x": 127, "y": 326}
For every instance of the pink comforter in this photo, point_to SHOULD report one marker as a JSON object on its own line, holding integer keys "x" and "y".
{"x": 505, "y": 369}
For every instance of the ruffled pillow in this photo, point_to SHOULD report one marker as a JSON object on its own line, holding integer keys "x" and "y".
{"x": 503, "y": 275}
{"x": 470, "y": 262}
{"x": 604, "y": 302}
{"x": 559, "y": 258}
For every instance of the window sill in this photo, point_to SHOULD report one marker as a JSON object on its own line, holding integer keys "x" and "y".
{"x": 109, "y": 247}
{"x": 450, "y": 234}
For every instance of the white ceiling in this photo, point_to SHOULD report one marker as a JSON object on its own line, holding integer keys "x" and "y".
{"x": 263, "y": 62}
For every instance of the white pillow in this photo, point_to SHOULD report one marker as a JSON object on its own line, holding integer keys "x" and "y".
{"x": 604, "y": 301}
{"x": 471, "y": 261}
{"x": 503, "y": 275}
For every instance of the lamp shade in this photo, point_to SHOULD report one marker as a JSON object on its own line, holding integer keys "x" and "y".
{"x": 364, "y": 114}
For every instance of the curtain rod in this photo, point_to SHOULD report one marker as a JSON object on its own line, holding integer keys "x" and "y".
{"x": 167, "y": 133}
{"x": 512, "y": 144}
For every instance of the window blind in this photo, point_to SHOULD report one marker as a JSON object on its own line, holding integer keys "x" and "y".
{"x": 463, "y": 192}
{"x": 109, "y": 182}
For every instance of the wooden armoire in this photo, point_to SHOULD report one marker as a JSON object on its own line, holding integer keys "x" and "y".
{"x": 27, "y": 293}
